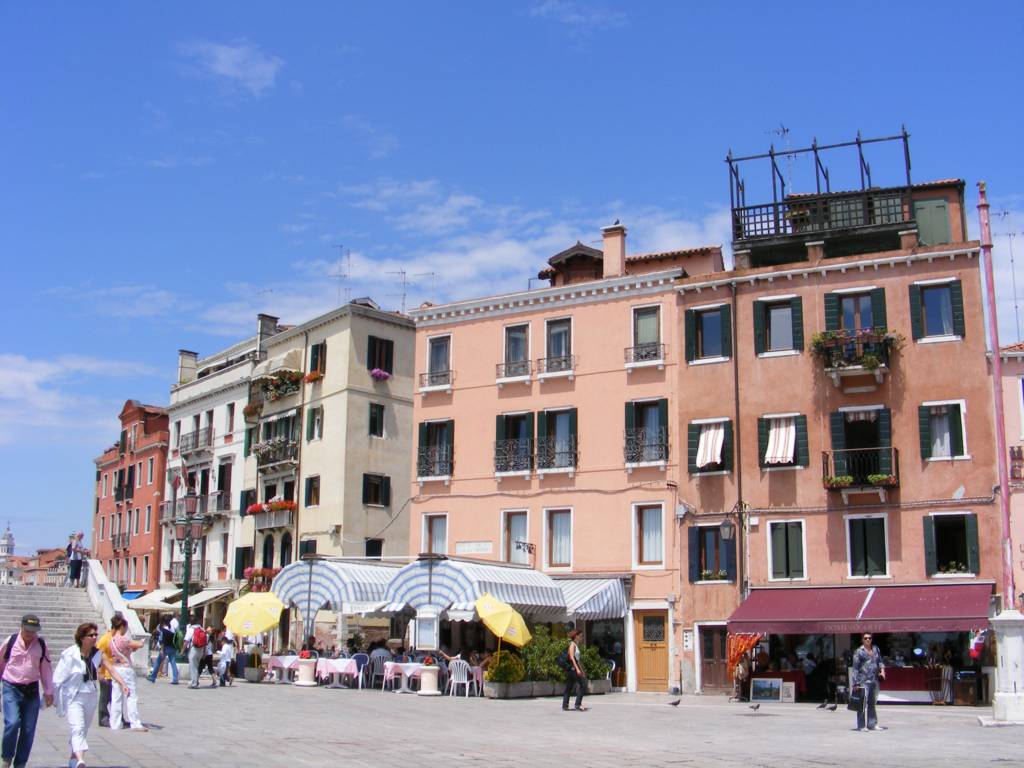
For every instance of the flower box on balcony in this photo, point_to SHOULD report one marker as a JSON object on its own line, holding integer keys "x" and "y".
{"x": 270, "y": 506}
{"x": 883, "y": 480}
{"x": 379, "y": 374}
{"x": 313, "y": 376}
{"x": 837, "y": 481}
{"x": 252, "y": 411}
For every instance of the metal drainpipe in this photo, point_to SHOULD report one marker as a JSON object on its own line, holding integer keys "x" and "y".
{"x": 741, "y": 532}
{"x": 298, "y": 464}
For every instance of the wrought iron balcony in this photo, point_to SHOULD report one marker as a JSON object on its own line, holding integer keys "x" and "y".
{"x": 513, "y": 455}
{"x": 557, "y": 453}
{"x": 199, "y": 570}
{"x": 868, "y": 348}
{"x": 645, "y": 353}
{"x": 121, "y": 540}
{"x": 276, "y": 450}
{"x": 199, "y": 440}
{"x": 434, "y": 461}
{"x": 514, "y": 370}
{"x": 436, "y": 379}
{"x": 217, "y": 502}
{"x": 553, "y": 365}
{"x": 280, "y": 518}
{"x": 860, "y": 468}
{"x": 646, "y": 445}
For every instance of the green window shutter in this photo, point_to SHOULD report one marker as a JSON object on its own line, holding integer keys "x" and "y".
{"x": 885, "y": 441}
{"x": 831, "y": 311}
{"x": 693, "y": 552}
{"x": 759, "y": 331}
{"x": 389, "y": 355}
{"x": 727, "y": 448}
{"x": 803, "y": 457}
{"x": 779, "y": 560}
{"x": 858, "y": 562}
{"x": 499, "y": 428}
{"x": 762, "y": 441}
{"x": 924, "y": 427}
{"x": 424, "y": 427}
{"x": 973, "y": 553}
{"x": 956, "y": 430}
{"x": 690, "y": 332}
{"x": 727, "y": 557}
{"x": 309, "y": 424}
{"x": 796, "y": 310}
{"x": 371, "y": 352}
{"x": 323, "y": 357}
{"x": 630, "y": 416}
{"x": 542, "y": 425}
{"x": 529, "y": 437}
{"x": 931, "y": 566}
{"x": 916, "y": 326}
{"x": 366, "y": 489}
{"x": 875, "y": 540}
{"x": 692, "y": 446}
{"x": 726, "y": 312}
{"x": 385, "y": 491}
{"x": 247, "y": 449}
{"x": 878, "y": 314}
{"x": 663, "y": 421}
{"x": 956, "y": 296}
{"x": 450, "y": 426}
{"x": 573, "y": 425}
{"x": 795, "y": 548}
{"x": 932, "y": 222}
{"x": 837, "y": 427}
{"x": 307, "y": 491}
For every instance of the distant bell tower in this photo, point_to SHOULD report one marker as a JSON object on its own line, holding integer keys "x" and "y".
{"x": 6, "y": 551}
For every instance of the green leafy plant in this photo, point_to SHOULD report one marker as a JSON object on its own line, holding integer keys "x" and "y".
{"x": 882, "y": 479}
{"x": 505, "y": 667}
{"x": 865, "y": 347}
{"x": 837, "y": 481}
{"x": 355, "y": 642}
{"x": 594, "y": 667}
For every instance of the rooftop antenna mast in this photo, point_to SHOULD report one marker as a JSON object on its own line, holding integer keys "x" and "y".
{"x": 404, "y": 277}
{"x": 1004, "y": 215}
{"x": 783, "y": 133}
{"x": 344, "y": 276}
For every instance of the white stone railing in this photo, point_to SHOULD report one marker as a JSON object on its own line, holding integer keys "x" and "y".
{"x": 106, "y": 598}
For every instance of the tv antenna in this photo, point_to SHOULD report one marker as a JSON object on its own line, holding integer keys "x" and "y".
{"x": 433, "y": 281}
{"x": 404, "y": 278}
{"x": 1004, "y": 215}
{"x": 783, "y": 133}
{"x": 344, "y": 276}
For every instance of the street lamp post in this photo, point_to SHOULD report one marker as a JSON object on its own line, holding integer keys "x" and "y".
{"x": 188, "y": 530}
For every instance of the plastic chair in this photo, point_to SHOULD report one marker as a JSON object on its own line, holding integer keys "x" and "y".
{"x": 611, "y": 668}
{"x": 460, "y": 673}
{"x": 377, "y": 670}
{"x": 361, "y": 660}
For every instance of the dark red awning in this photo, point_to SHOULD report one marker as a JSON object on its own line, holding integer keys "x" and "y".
{"x": 840, "y": 610}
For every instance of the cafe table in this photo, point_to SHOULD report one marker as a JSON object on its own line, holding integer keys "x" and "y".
{"x": 403, "y": 670}
{"x": 285, "y": 663}
{"x": 338, "y": 667}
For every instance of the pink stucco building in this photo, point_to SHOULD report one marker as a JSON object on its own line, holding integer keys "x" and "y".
{"x": 1013, "y": 410}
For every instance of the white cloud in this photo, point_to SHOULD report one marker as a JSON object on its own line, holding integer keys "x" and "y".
{"x": 240, "y": 65}
{"x": 377, "y": 141}
{"x": 579, "y": 17}
{"x": 123, "y": 301}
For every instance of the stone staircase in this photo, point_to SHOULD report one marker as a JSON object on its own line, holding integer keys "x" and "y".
{"x": 60, "y": 611}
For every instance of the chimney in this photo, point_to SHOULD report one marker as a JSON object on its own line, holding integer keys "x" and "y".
{"x": 266, "y": 326}
{"x": 614, "y": 250}
{"x": 186, "y": 366}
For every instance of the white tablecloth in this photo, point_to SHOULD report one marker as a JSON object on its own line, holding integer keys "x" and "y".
{"x": 402, "y": 670}
{"x": 336, "y": 667}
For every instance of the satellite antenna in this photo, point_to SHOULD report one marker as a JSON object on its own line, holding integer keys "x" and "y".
{"x": 344, "y": 276}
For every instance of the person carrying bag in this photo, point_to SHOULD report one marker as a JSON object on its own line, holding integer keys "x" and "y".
{"x": 867, "y": 669}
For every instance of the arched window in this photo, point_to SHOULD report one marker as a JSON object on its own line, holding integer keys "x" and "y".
{"x": 286, "y": 549}
{"x": 268, "y": 551}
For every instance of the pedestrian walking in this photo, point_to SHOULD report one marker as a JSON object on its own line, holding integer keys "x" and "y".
{"x": 106, "y": 690}
{"x": 207, "y": 660}
{"x": 195, "y": 642}
{"x": 124, "y": 704}
{"x": 24, "y": 664}
{"x": 867, "y": 669}
{"x": 76, "y": 680}
{"x": 167, "y": 652}
{"x": 574, "y": 678}
{"x": 227, "y": 660}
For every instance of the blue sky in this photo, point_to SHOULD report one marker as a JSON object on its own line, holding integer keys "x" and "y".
{"x": 168, "y": 171}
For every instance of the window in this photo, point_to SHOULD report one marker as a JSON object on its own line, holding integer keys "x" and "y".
{"x": 150, "y": 471}
{"x": 318, "y": 357}
{"x": 376, "y": 420}
{"x": 558, "y": 349}
{"x": 782, "y": 441}
{"x": 314, "y": 423}
{"x": 516, "y": 541}
{"x": 137, "y": 516}
{"x": 434, "y": 453}
{"x": 106, "y": 477}
{"x": 951, "y": 544}
{"x": 646, "y": 431}
{"x": 138, "y": 475}
{"x": 435, "y": 529}
{"x": 380, "y": 354}
{"x": 513, "y": 442}
{"x": 312, "y": 496}
{"x": 307, "y": 547}
{"x": 779, "y": 326}
{"x": 376, "y": 490}
{"x": 439, "y": 366}
{"x": 708, "y": 333}
{"x": 374, "y": 548}
{"x": 103, "y": 528}
{"x": 937, "y": 310}
{"x": 866, "y": 539}
{"x": 559, "y": 538}
{"x": 646, "y": 334}
{"x": 649, "y": 540}
{"x": 250, "y": 434}
{"x": 244, "y": 558}
{"x": 932, "y": 217}
{"x": 711, "y": 558}
{"x": 709, "y": 446}
{"x": 177, "y": 434}
{"x": 286, "y": 549}
{"x": 268, "y": 551}
{"x": 556, "y": 439}
{"x": 786, "y": 550}
{"x": 517, "y": 351}
{"x": 145, "y": 570}
{"x": 135, "y": 569}
{"x": 209, "y": 421}
{"x": 229, "y": 419}
{"x": 942, "y": 430}
{"x": 149, "y": 517}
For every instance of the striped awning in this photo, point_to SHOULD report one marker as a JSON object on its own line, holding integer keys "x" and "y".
{"x": 155, "y": 600}
{"x": 592, "y": 599}
{"x": 347, "y": 587}
{"x": 454, "y": 586}
{"x": 201, "y": 597}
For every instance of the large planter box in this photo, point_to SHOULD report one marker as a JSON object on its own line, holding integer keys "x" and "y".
{"x": 543, "y": 688}
{"x": 508, "y": 690}
{"x": 599, "y": 687}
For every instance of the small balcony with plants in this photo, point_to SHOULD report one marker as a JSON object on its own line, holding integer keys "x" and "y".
{"x": 861, "y": 470}
{"x": 276, "y": 450}
{"x": 860, "y": 352}
{"x": 276, "y": 513}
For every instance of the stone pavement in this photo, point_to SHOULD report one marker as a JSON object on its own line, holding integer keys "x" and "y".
{"x": 280, "y": 725}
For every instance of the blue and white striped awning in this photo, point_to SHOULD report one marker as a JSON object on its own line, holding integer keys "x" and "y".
{"x": 454, "y": 586}
{"x": 312, "y": 584}
{"x": 592, "y": 599}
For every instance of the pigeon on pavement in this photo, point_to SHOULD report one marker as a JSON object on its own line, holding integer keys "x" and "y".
{"x": 823, "y": 704}
{"x": 674, "y": 703}
{"x": 832, "y": 707}
{"x": 755, "y": 707}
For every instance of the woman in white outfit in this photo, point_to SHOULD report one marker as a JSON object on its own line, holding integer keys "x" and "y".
{"x": 77, "y": 691}
{"x": 124, "y": 704}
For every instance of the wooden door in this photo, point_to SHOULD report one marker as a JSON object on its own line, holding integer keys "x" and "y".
{"x": 713, "y": 673}
{"x": 651, "y": 631}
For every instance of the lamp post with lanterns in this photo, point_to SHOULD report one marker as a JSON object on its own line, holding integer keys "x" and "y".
{"x": 188, "y": 530}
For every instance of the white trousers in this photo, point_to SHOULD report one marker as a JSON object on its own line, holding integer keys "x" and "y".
{"x": 80, "y": 711}
{"x": 125, "y": 707}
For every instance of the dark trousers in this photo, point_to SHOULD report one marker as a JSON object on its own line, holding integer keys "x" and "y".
{"x": 106, "y": 689}
{"x": 207, "y": 663}
{"x": 575, "y": 682}
{"x": 21, "y": 711}
{"x": 868, "y": 708}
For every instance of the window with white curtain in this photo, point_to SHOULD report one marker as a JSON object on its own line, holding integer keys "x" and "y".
{"x": 937, "y": 304}
{"x": 781, "y": 441}
{"x": 559, "y": 538}
{"x": 942, "y": 446}
{"x": 515, "y": 538}
{"x": 709, "y": 449}
{"x": 440, "y": 349}
{"x": 437, "y": 534}
{"x": 646, "y": 328}
{"x": 649, "y": 534}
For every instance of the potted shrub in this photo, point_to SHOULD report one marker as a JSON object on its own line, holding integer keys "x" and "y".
{"x": 428, "y": 677}
{"x": 504, "y": 677}
{"x": 313, "y": 377}
{"x": 882, "y": 480}
{"x": 837, "y": 481}
{"x": 596, "y": 670}
{"x": 539, "y": 657}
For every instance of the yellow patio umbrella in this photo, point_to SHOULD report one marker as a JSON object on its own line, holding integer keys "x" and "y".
{"x": 253, "y": 612}
{"x": 503, "y": 620}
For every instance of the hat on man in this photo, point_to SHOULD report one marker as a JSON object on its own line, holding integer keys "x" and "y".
{"x": 30, "y": 622}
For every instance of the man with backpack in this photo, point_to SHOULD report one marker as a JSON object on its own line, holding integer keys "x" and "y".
{"x": 24, "y": 664}
{"x": 165, "y": 639}
{"x": 195, "y": 641}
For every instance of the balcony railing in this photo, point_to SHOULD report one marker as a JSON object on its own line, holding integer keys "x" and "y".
{"x": 514, "y": 369}
{"x": 437, "y": 379}
{"x": 120, "y": 540}
{"x": 199, "y": 570}
{"x": 560, "y": 364}
{"x": 645, "y": 444}
{"x": 276, "y": 451}
{"x": 868, "y": 348}
{"x": 513, "y": 455}
{"x": 645, "y": 353}
{"x": 199, "y": 440}
{"x": 557, "y": 453}
{"x": 434, "y": 461}
{"x": 860, "y": 468}
{"x": 816, "y": 214}
{"x": 210, "y": 504}
{"x": 119, "y": 493}
{"x": 280, "y": 518}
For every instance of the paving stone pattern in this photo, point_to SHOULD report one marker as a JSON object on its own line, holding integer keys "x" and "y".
{"x": 268, "y": 725}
